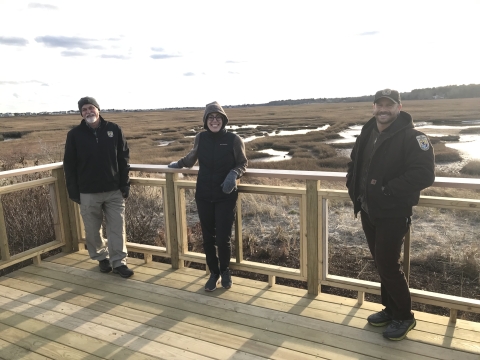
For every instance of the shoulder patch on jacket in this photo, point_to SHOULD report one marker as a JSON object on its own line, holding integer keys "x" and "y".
{"x": 110, "y": 133}
{"x": 423, "y": 142}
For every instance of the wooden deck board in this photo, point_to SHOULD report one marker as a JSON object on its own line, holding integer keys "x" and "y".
{"x": 66, "y": 304}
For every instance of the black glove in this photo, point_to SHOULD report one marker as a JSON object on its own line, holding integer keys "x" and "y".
{"x": 76, "y": 200}
{"x": 175, "y": 165}
{"x": 125, "y": 191}
{"x": 230, "y": 182}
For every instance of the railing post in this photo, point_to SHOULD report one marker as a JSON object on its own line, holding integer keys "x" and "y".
{"x": 4, "y": 250}
{"x": 66, "y": 216}
{"x": 406, "y": 255}
{"x": 172, "y": 217}
{"x": 238, "y": 232}
{"x": 312, "y": 187}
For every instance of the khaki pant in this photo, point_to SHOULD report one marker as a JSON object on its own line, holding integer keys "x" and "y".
{"x": 92, "y": 208}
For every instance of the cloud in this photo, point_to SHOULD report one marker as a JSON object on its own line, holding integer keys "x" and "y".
{"x": 42, "y": 6}
{"x": 120, "y": 57}
{"x": 72, "y": 53}
{"x": 13, "y": 41}
{"x": 233, "y": 62}
{"x": 68, "y": 42}
{"x": 16, "y": 95}
{"x": 159, "y": 49}
{"x": 22, "y": 82}
{"x": 234, "y": 73}
{"x": 367, "y": 33}
{"x": 163, "y": 56}
{"x": 189, "y": 74}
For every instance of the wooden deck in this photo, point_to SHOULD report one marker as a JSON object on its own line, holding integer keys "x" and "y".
{"x": 65, "y": 308}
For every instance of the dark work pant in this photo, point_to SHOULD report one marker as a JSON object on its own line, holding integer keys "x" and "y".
{"x": 216, "y": 219}
{"x": 385, "y": 239}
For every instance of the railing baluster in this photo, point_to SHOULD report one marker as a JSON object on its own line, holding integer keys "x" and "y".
{"x": 313, "y": 243}
{"x": 238, "y": 231}
{"x": 66, "y": 218}
{"x": 170, "y": 204}
{"x": 4, "y": 250}
{"x": 406, "y": 255}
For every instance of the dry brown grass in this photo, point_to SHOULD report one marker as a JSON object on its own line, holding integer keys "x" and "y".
{"x": 44, "y": 136}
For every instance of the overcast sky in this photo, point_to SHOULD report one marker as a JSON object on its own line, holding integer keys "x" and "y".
{"x": 157, "y": 54}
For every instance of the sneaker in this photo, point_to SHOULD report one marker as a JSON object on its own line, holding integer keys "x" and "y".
{"x": 381, "y": 318}
{"x": 212, "y": 282}
{"x": 226, "y": 279}
{"x": 398, "y": 329}
{"x": 123, "y": 271}
{"x": 105, "y": 266}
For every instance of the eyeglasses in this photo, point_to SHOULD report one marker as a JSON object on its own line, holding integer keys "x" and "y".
{"x": 215, "y": 117}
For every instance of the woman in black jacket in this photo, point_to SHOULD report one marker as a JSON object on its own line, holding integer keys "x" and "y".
{"x": 222, "y": 160}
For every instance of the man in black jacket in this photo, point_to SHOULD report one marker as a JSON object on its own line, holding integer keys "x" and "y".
{"x": 391, "y": 163}
{"x": 96, "y": 172}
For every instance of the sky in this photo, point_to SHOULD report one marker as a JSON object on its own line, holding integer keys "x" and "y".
{"x": 152, "y": 54}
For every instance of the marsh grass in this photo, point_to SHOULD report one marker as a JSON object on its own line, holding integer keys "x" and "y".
{"x": 471, "y": 168}
{"x": 445, "y": 254}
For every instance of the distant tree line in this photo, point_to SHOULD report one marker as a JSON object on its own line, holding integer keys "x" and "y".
{"x": 442, "y": 92}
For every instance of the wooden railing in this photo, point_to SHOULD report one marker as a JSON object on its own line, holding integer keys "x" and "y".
{"x": 313, "y": 200}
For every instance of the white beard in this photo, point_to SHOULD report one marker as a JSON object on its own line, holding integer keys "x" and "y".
{"x": 91, "y": 119}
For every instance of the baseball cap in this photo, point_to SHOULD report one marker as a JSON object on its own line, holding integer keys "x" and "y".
{"x": 393, "y": 95}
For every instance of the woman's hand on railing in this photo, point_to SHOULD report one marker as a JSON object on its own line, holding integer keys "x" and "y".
{"x": 174, "y": 165}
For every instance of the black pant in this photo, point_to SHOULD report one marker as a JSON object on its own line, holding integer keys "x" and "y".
{"x": 216, "y": 219}
{"x": 385, "y": 239}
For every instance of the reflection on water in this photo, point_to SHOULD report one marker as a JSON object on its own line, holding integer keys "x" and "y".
{"x": 275, "y": 156}
{"x": 285, "y": 133}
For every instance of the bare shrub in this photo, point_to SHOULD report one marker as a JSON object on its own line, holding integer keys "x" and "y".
{"x": 144, "y": 216}
{"x": 471, "y": 168}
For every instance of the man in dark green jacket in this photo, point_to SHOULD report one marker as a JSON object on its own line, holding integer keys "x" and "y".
{"x": 391, "y": 163}
{"x": 96, "y": 172}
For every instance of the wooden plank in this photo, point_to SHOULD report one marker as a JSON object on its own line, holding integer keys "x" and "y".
{"x": 278, "y": 334}
{"x": 4, "y": 249}
{"x": 218, "y": 345}
{"x": 449, "y": 203}
{"x": 11, "y": 351}
{"x": 56, "y": 215}
{"x": 238, "y": 231}
{"x": 424, "y": 297}
{"x": 105, "y": 329}
{"x": 171, "y": 218}
{"x": 36, "y": 344}
{"x": 65, "y": 212}
{"x": 239, "y": 298}
{"x": 147, "y": 181}
{"x": 92, "y": 347}
{"x": 313, "y": 225}
{"x": 29, "y": 254}
{"x": 26, "y": 185}
{"x": 30, "y": 170}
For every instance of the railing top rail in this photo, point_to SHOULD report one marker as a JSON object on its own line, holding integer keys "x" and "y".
{"x": 30, "y": 170}
{"x": 445, "y": 182}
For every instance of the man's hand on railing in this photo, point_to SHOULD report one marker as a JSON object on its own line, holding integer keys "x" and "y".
{"x": 174, "y": 165}
{"x": 230, "y": 182}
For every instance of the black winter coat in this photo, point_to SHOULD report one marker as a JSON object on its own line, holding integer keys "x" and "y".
{"x": 96, "y": 163}
{"x": 402, "y": 161}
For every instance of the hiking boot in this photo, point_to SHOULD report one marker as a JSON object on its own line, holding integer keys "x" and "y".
{"x": 380, "y": 318}
{"x": 212, "y": 282}
{"x": 105, "y": 266}
{"x": 226, "y": 279}
{"x": 398, "y": 329}
{"x": 123, "y": 271}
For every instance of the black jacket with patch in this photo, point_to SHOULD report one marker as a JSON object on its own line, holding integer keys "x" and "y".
{"x": 402, "y": 161}
{"x": 96, "y": 162}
